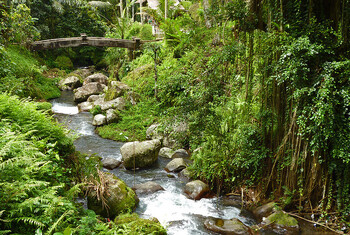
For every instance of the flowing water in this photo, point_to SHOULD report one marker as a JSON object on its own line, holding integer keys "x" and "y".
{"x": 171, "y": 207}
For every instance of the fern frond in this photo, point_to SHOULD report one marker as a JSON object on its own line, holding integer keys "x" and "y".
{"x": 31, "y": 221}
{"x": 75, "y": 190}
{"x": 53, "y": 227}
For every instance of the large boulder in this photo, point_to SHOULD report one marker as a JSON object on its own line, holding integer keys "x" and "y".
{"x": 280, "y": 222}
{"x": 147, "y": 188}
{"x": 99, "y": 120}
{"x": 110, "y": 163}
{"x": 81, "y": 94}
{"x": 140, "y": 154}
{"x": 97, "y": 77}
{"x": 70, "y": 83}
{"x": 93, "y": 98}
{"x": 166, "y": 152}
{"x": 118, "y": 103}
{"x": 196, "y": 189}
{"x": 118, "y": 196}
{"x": 180, "y": 153}
{"x": 176, "y": 165}
{"x": 116, "y": 89}
{"x": 233, "y": 226}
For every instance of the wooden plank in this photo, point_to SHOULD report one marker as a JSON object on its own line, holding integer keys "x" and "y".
{"x": 86, "y": 41}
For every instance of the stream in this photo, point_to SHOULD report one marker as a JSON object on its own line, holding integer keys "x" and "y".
{"x": 177, "y": 213}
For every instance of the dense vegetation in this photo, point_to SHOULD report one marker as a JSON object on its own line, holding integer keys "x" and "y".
{"x": 263, "y": 85}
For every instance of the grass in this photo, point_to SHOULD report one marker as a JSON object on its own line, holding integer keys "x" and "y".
{"x": 134, "y": 122}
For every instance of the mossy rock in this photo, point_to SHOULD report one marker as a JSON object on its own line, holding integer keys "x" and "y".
{"x": 121, "y": 198}
{"x": 137, "y": 225}
{"x": 283, "y": 219}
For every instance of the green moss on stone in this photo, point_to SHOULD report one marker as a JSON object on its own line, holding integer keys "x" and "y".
{"x": 137, "y": 225}
{"x": 283, "y": 219}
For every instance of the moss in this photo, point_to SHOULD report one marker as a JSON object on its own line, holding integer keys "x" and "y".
{"x": 281, "y": 218}
{"x": 137, "y": 225}
{"x": 121, "y": 198}
{"x": 64, "y": 62}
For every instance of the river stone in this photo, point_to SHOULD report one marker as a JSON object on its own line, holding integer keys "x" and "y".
{"x": 166, "y": 152}
{"x": 93, "y": 98}
{"x": 110, "y": 163}
{"x": 143, "y": 154}
{"x": 99, "y": 120}
{"x": 81, "y": 94}
{"x": 70, "y": 83}
{"x": 233, "y": 226}
{"x": 196, "y": 189}
{"x": 118, "y": 103}
{"x": 175, "y": 165}
{"x": 185, "y": 173}
{"x": 112, "y": 116}
{"x": 147, "y": 188}
{"x": 97, "y": 77}
{"x": 264, "y": 210}
{"x": 115, "y": 90}
{"x": 180, "y": 153}
{"x": 85, "y": 106}
{"x": 83, "y": 72}
{"x": 281, "y": 223}
{"x": 119, "y": 198}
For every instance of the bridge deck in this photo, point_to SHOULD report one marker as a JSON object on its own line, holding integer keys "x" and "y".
{"x": 86, "y": 41}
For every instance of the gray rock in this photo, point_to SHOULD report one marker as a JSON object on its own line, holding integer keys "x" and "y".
{"x": 85, "y": 106}
{"x": 70, "y": 83}
{"x": 180, "y": 153}
{"x": 97, "y": 77}
{"x": 112, "y": 116}
{"x": 118, "y": 197}
{"x": 110, "y": 163}
{"x": 185, "y": 173}
{"x": 147, "y": 188}
{"x": 196, "y": 189}
{"x": 264, "y": 210}
{"x": 140, "y": 154}
{"x": 81, "y": 94}
{"x": 233, "y": 226}
{"x": 99, "y": 120}
{"x": 93, "y": 98}
{"x": 118, "y": 103}
{"x": 84, "y": 72}
{"x": 175, "y": 165}
{"x": 166, "y": 152}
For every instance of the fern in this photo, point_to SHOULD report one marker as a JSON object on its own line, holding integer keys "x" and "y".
{"x": 53, "y": 227}
{"x": 31, "y": 221}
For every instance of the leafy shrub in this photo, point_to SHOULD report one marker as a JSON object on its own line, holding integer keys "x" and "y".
{"x": 64, "y": 62}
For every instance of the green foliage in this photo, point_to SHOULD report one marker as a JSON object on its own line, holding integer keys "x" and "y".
{"x": 96, "y": 110}
{"x": 63, "y": 62}
{"x": 22, "y": 75}
{"x": 133, "y": 124}
{"x": 33, "y": 180}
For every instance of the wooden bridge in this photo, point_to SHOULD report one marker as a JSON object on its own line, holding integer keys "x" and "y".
{"x": 84, "y": 40}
